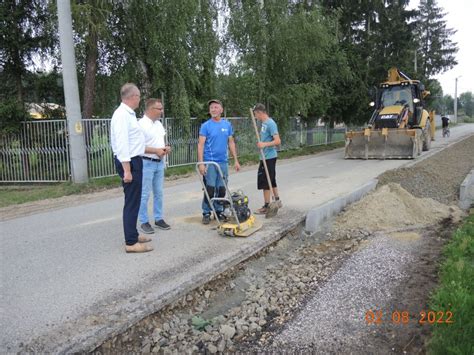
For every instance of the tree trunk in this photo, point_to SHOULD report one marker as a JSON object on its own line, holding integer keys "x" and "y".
{"x": 331, "y": 130}
{"x": 19, "y": 88}
{"x": 92, "y": 54}
{"x": 147, "y": 78}
{"x": 311, "y": 125}
{"x": 18, "y": 70}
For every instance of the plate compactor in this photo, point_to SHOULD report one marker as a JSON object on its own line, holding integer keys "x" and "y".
{"x": 236, "y": 219}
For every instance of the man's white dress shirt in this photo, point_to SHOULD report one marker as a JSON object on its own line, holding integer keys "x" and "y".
{"x": 126, "y": 136}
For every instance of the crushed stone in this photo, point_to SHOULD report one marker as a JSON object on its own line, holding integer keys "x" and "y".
{"x": 437, "y": 177}
{"x": 333, "y": 320}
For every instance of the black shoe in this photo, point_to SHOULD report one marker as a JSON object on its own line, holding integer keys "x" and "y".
{"x": 206, "y": 219}
{"x": 162, "y": 224}
{"x": 147, "y": 228}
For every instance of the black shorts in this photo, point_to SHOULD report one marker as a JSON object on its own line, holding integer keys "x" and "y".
{"x": 262, "y": 183}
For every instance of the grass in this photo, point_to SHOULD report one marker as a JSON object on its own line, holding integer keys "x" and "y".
{"x": 17, "y": 194}
{"x": 456, "y": 294}
{"x": 466, "y": 119}
{"x": 13, "y": 195}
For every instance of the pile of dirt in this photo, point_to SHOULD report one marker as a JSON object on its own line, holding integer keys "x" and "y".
{"x": 392, "y": 207}
{"x": 437, "y": 177}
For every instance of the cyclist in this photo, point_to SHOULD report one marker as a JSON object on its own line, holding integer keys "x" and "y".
{"x": 445, "y": 122}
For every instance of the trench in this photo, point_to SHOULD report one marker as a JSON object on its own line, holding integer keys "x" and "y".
{"x": 242, "y": 298}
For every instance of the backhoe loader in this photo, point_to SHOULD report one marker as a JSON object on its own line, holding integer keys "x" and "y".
{"x": 400, "y": 127}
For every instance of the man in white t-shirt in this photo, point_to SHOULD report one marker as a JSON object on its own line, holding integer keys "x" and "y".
{"x": 153, "y": 166}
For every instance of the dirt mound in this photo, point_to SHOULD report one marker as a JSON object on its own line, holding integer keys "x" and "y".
{"x": 390, "y": 207}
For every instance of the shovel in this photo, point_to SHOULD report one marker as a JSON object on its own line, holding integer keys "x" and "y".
{"x": 272, "y": 208}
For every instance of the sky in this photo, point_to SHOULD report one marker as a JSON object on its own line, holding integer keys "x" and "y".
{"x": 459, "y": 16}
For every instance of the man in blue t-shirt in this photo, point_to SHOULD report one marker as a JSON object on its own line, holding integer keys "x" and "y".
{"x": 269, "y": 139}
{"x": 215, "y": 138}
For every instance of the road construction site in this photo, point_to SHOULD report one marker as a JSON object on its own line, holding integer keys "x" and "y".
{"x": 312, "y": 291}
{"x": 304, "y": 281}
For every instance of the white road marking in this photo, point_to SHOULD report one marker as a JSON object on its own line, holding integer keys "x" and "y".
{"x": 102, "y": 220}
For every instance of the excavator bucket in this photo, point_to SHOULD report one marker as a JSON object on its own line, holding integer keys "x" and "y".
{"x": 383, "y": 144}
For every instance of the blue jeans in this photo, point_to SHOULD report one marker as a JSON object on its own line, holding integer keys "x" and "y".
{"x": 153, "y": 177}
{"x": 214, "y": 186}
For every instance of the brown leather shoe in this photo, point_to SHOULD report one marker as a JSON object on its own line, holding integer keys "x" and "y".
{"x": 262, "y": 210}
{"x": 143, "y": 239}
{"x": 138, "y": 248}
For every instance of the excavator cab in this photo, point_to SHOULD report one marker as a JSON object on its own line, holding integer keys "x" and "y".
{"x": 396, "y": 95}
{"x": 394, "y": 107}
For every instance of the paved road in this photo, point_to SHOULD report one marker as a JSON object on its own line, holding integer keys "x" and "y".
{"x": 65, "y": 277}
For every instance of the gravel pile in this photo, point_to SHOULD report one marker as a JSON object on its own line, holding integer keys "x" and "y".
{"x": 437, "y": 177}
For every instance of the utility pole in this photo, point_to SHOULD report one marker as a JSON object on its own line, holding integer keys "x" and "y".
{"x": 456, "y": 99}
{"x": 77, "y": 146}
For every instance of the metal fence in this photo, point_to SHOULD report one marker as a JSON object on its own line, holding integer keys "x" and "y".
{"x": 40, "y": 152}
{"x": 100, "y": 158}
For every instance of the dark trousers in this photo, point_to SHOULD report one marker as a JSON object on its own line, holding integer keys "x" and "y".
{"x": 133, "y": 193}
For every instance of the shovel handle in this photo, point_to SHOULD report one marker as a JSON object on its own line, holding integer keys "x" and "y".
{"x": 261, "y": 153}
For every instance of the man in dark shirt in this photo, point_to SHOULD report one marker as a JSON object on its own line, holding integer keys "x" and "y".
{"x": 445, "y": 121}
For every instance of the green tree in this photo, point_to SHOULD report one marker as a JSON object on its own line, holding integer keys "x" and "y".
{"x": 435, "y": 51}
{"x": 23, "y": 38}
{"x": 374, "y": 36}
{"x": 448, "y": 104}
{"x": 434, "y": 101}
{"x": 169, "y": 47}
{"x": 392, "y": 39}
{"x": 92, "y": 31}
{"x": 24, "y": 35}
{"x": 42, "y": 87}
{"x": 12, "y": 113}
{"x": 237, "y": 90}
{"x": 467, "y": 102}
{"x": 291, "y": 53}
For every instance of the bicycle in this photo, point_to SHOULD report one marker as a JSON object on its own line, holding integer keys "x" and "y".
{"x": 446, "y": 132}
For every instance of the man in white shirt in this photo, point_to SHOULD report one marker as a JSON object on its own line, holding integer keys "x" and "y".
{"x": 128, "y": 144}
{"x": 153, "y": 166}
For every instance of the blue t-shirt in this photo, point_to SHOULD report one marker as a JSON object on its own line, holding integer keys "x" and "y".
{"x": 268, "y": 130}
{"x": 217, "y": 137}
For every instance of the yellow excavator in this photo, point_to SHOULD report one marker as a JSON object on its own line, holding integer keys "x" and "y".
{"x": 400, "y": 126}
